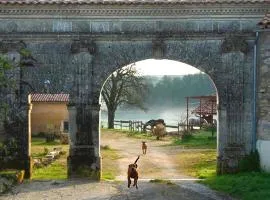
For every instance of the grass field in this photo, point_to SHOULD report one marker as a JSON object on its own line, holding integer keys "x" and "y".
{"x": 58, "y": 169}
{"x": 245, "y": 186}
{"x": 198, "y": 140}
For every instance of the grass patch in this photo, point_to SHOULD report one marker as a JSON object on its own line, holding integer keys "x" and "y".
{"x": 198, "y": 140}
{"x": 247, "y": 186}
{"x": 55, "y": 171}
{"x": 39, "y": 144}
{"x": 197, "y": 163}
{"x": 58, "y": 169}
{"x": 8, "y": 172}
{"x": 110, "y": 166}
{"x": 37, "y": 141}
{"x": 168, "y": 182}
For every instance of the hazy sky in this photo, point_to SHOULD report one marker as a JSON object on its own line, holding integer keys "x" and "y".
{"x": 164, "y": 67}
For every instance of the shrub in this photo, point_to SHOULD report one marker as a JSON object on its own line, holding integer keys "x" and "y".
{"x": 9, "y": 151}
{"x": 51, "y": 137}
{"x": 46, "y": 150}
{"x": 186, "y": 135}
{"x": 62, "y": 153}
{"x": 41, "y": 134}
{"x": 64, "y": 139}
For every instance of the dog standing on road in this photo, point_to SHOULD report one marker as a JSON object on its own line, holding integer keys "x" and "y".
{"x": 144, "y": 147}
{"x": 133, "y": 173}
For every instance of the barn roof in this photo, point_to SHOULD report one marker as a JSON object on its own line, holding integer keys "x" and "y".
{"x": 49, "y": 97}
{"x": 127, "y": 1}
{"x": 208, "y": 105}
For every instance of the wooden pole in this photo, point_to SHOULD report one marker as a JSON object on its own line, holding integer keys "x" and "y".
{"x": 187, "y": 99}
{"x": 200, "y": 113}
{"x": 212, "y": 124}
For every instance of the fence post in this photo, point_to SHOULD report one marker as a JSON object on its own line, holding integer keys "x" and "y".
{"x": 178, "y": 128}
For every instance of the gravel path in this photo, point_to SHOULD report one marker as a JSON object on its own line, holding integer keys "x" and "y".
{"x": 83, "y": 190}
{"x": 156, "y": 164}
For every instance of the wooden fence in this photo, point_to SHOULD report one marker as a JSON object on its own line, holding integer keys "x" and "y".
{"x": 137, "y": 126}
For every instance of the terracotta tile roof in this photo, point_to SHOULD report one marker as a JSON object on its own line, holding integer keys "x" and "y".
{"x": 49, "y": 97}
{"x": 126, "y": 1}
{"x": 265, "y": 22}
{"x": 207, "y": 105}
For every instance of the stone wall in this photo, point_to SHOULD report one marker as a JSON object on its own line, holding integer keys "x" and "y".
{"x": 263, "y": 102}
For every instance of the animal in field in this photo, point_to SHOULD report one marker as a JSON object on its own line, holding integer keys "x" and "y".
{"x": 159, "y": 130}
{"x": 152, "y": 123}
{"x": 133, "y": 173}
{"x": 144, "y": 147}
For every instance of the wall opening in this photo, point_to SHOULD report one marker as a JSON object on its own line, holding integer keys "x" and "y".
{"x": 169, "y": 84}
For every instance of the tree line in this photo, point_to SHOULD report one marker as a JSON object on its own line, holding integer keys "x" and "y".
{"x": 172, "y": 90}
{"x": 126, "y": 88}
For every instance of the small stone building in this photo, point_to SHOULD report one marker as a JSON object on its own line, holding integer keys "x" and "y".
{"x": 49, "y": 113}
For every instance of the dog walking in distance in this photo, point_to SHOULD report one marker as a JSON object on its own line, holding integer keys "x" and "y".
{"x": 133, "y": 173}
{"x": 144, "y": 147}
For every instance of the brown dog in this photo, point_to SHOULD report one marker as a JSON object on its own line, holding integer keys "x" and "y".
{"x": 144, "y": 147}
{"x": 133, "y": 173}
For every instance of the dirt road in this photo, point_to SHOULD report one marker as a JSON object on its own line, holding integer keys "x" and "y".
{"x": 156, "y": 164}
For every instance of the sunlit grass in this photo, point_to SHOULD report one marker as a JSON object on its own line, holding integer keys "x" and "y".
{"x": 55, "y": 171}
{"x": 197, "y": 163}
{"x": 38, "y": 145}
{"x": 110, "y": 166}
{"x": 246, "y": 186}
{"x": 198, "y": 140}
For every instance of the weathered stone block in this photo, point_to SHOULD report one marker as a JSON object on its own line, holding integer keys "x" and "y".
{"x": 229, "y": 26}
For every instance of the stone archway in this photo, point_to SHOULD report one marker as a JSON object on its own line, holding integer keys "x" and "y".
{"x": 81, "y": 45}
{"x": 216, "y": 58}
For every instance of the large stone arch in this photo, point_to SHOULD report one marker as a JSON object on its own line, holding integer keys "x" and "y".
{"x": 226, "y": 67}
{"x": 78, "y": 45}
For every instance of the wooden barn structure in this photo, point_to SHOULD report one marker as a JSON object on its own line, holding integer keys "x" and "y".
{"x": 206, "y": 109}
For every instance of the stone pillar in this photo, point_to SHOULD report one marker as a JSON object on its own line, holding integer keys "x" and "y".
{"x": 263, "y": 99}
{"x": 84, "y": 156}
{"x": 72, "y": 124}
{"x": 231, "y": 139}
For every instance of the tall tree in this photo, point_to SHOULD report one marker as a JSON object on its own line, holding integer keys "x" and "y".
{"x": 124, "y": 86}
